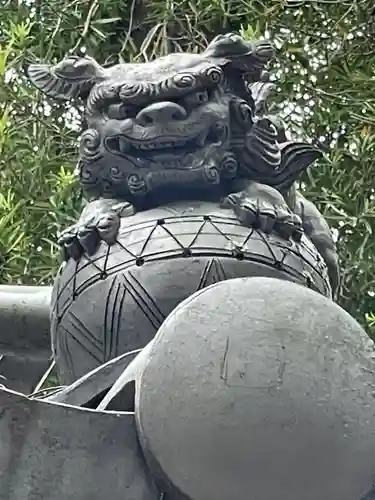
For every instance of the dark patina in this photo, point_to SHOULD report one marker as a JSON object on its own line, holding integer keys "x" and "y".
{"x": 186, "y": 126}
{"x": 200, "y": 353}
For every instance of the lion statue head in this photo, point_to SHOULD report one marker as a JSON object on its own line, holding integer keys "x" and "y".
{"x": 183, "y": 125}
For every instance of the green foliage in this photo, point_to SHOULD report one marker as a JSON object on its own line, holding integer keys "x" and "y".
{"x": 325, "y": 70}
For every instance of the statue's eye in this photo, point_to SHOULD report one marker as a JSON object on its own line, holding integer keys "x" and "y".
{"x": 197, "y": 98}
{"x": 120, "y": 111}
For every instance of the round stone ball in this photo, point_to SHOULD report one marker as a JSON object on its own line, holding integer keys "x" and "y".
{"x": 114, "y": 301}
{"x": 258, "y": 388}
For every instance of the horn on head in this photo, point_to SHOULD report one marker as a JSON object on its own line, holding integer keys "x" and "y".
{"x": 71, "y": 78}
{"x": 233, "y": 50}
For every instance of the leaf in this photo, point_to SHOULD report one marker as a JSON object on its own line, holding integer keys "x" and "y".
{"x": 110, "y": 20}
{"x": 150, "y": 36}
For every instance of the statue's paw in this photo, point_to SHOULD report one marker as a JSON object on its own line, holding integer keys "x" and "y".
{"x": 85, "y": 236}
{"x": 69, "y": 244}
{"x": 288, "y": 225}
{"x": 267, "y": 217}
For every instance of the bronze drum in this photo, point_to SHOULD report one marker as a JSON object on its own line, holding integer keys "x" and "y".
{"x": 116, "y": 300}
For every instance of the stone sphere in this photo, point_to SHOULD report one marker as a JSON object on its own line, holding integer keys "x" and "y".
{"x": 258, "y": 388}
{"x": 116, "y": 300}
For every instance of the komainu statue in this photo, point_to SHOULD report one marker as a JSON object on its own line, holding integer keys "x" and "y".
{"x": 186, "y": 182}
{"x": 193, "y": 321}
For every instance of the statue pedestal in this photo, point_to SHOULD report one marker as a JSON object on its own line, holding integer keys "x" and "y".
{"x": 55, "y": 452}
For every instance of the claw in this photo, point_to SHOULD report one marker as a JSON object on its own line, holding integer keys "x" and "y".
{"x": 262, "y": 207}
{"x": 89, "y": 239}
{"x": 250, "y": 207}
{"x": 64, "y": 256}
{"x": 85, "y": 236}
{"x": 284, "y": 223}
{"x": 248, "y": 213}
{"x": 298, "y": 228}
{"x": 67, "y": 236}
{"x": 69, "y": 244}
{"x": 108, "y": 226}
{"x": 230, "y": 201}
{"x": 285, "y": 229}
{"x": 73, "y": 249}
{"x": 297, "y": 234}
{"x": 267, "y": 217}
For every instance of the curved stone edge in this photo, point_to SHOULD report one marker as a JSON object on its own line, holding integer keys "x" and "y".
{"x": 175, "y": 385}
{"x": 95, "y": 382}
{"x": 25, "y": 346}
{"x": 50, "y": 451}
{"x": 24, "y": 321}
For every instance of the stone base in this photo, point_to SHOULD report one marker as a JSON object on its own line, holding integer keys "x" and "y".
{"x": 54, "y": 452}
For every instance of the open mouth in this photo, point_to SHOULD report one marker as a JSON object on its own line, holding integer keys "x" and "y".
{"x": 166, "y": 146}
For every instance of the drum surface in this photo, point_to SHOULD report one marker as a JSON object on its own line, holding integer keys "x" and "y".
{"x": 115, "y": 301}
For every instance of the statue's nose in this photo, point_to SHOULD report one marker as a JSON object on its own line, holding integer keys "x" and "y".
{"x": 161, "y": 112}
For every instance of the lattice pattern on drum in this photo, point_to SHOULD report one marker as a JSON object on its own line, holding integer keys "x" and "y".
{"x": 116, "y": 300}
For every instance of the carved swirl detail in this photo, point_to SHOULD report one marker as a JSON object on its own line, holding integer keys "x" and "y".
{"x": 230, "y": 72}
{"x": 211, "y": 174}
{"x": 245, "y": 114}
{"x": 228, "y": 166}
{"x": 90, "y": 147}
{"x": 117, "y": 174}
{"x": 137, "y": 184}
{"x": 242, "y": 116}
{"x": 214, "y": 75}
{"x": 133, "y": 91}
{"x": 184, "y": 80}
{"x": 99, "y": 94}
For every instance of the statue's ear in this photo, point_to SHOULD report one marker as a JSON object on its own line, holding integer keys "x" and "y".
{"x": 233, "y": 50}
{"x": 72, "y": 77}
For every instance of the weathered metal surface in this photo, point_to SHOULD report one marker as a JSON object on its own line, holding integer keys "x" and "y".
{"x": 21, "y": 373}
{"x": 24, "y": 321}
{"x": 189, "y": 181}
{"x": 25, "y": 346}
{"x": 264, "y": 390}
{"x": 115, "y": 301}
{"x": 251, "y": 388}
{"x": 54, "y": 452}
{"x": 91, "y": 386}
